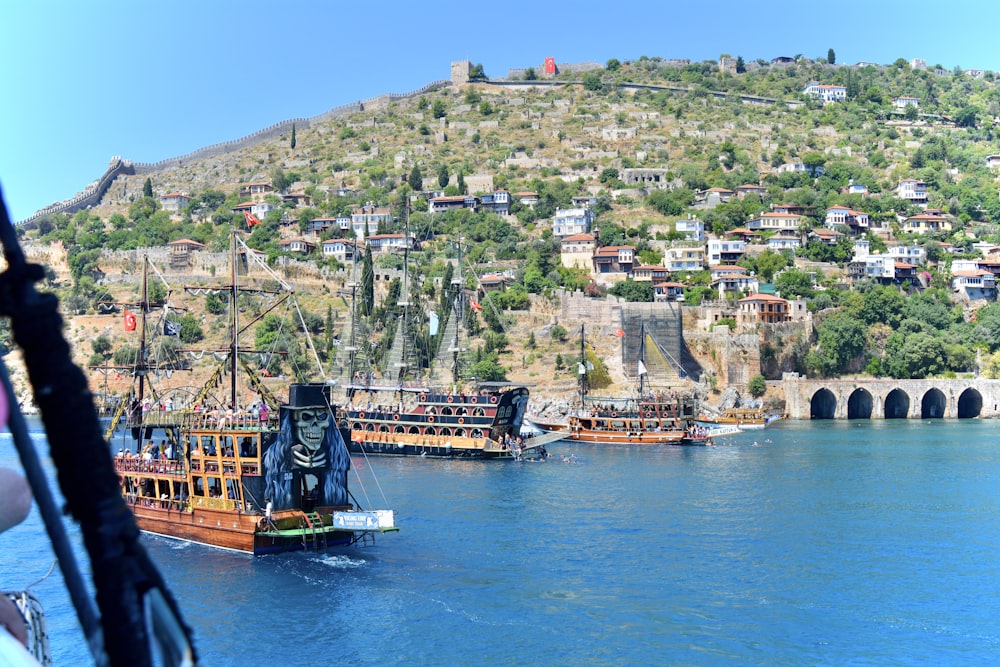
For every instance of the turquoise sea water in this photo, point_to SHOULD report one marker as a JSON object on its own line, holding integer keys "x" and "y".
{"x": 808, "y": 543}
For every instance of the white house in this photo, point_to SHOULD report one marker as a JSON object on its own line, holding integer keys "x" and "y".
{"x": 340, "y": 249}
{"x": 911, "y": 254}
{"x": 904, "y": 101}
{"x": 775, "y": 222}
{"x": 976, "y": 284}
{"x": 570, "y": 221}
{"x": 684, "y": 258}
{"x": 725, "y": 251}
{"x": 826, "y": 93}
{"x": 912, "y": 190}
{"x": 692, "y": 228}
{"x": 780, "y": 242}
{"x": 842, "y": 215}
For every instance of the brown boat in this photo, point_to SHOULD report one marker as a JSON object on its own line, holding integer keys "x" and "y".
{"x": 261, "y": 479}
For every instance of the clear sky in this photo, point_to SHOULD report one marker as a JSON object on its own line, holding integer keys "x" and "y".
{"x": 81, "y": 81}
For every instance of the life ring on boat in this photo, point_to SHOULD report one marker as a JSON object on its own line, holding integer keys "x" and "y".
{"x": 395, "y": 416}
{"x": 649, "y": 415}
{"x": 361, "y": 415}
{"x": 461, "y": 420}
{"x": 493, "y": 399}
{"x": 474, "y": 399}
{"x": 430, "y": 419}
{"x": 451, "y": 399}
{"x": 423, "y": 397}
{"x": 614, "y": 414}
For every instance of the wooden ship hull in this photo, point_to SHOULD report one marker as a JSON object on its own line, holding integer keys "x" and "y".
{"x": 214, "y": 489}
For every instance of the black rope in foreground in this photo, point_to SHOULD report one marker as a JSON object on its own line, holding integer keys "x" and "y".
{"x": 131, "y": 595}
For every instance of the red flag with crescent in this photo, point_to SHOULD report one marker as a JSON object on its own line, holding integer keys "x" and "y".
{"x": 129, "y": 320}
{"x": 475, "y": 305}
{"x": 251, "y": 219}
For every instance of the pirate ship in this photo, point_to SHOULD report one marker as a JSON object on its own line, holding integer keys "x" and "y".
{"x": 256, "y": 475}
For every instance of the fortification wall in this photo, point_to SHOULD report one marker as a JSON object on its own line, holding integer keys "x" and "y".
{"x": 93, "y": 195}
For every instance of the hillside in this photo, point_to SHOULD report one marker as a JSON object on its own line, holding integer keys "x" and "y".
{"x": 646, "y": 140}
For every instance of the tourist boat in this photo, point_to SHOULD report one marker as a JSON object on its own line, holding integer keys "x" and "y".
{"x": 393, "y": 412}
{"x": 652, "y": 418}
{"x": 485, "y": 423}
{"x": 266, "y": 480}
{"x": 745, "y": 418}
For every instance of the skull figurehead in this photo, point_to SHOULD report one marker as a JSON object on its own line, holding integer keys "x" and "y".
{"x": 310, "y": 432}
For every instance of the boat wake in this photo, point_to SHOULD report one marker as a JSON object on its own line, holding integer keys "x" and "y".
{"x": 340, "y": 562}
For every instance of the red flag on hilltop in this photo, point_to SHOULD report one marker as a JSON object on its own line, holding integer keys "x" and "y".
{"x": 475, "y": 306}
{"x": 129, "y": 320}
{"x": 251, "y": 219}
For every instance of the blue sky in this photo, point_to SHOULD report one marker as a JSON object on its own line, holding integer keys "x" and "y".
{"x": 81, "y": 82}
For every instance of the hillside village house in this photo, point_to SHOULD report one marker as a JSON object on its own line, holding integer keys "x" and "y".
{"x": 826, "y": 93}
{"x": 181, "y": 246}
{"x": 577, "y": 251}
{"x": 905, "y": 271}
{"x": 571, "y": 221}
{"x": 857, "y": 189}
{"x": 780, "y": 242}
{"x": 993, "y": 161}
{"x": 528, "y": 199}
{"x": 685, "y": 258}
{"x": 614, "y": 259}
{"x": 735, "y": 284}
{"x": 743, "y": 234}
{"x": 255, "y": 189}
{"x": 912, "y": 190}
{"x": 668, "y": 291}
{"x": 712, "y": 197}
{"x": 721, "y": 251}
{"x": 791, "y": 209}
{"x": 649, "y": 274}
{"x": 842, "y": 215}
{"x": 450, "y": 203}
{"x": 824, "y": 235}
{"x": 905, "y": 101}
{"x": 175, "y": 202}
{"x": 924, "y": 223}
{"x": 342, "y": 250}
{"x": 974, "y": 284}
{"x": 498, "y": 202}
{"x": 380, "y": 243}
{"x": 775, "y": 222}
{"x": 258, "y": 209}
{"x": 493, "y": 283}
{"x": 766, "y": 308}
{"x": 743, "y": 190}
{"x": 297, "y": 199}
{"x": 366, "y": 219}
{"x": 692, "y": 229}
{"x": 297, "y": 245}
{"x": 914, "y": 254}
{"x": 880, "y": 268}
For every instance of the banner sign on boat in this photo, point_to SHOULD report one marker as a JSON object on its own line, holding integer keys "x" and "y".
{"x": 355, "y": 520}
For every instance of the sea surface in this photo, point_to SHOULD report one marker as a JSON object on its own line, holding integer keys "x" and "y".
{"x": 809, "y": 543}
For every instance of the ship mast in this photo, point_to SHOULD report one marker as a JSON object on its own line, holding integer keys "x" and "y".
{"x": 404, "y": 303}
{"x": 457, "y": 285}
{"x": 234, "y": 314}
{"x": 582, "y": 368}
{"x": 141, "y": 367}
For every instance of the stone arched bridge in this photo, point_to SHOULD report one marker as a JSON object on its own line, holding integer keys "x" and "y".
{"x": 890, "y": 399}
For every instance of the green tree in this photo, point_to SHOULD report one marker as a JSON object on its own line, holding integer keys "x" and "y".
{"x": 190, "y": 329}
{"x": 147, "y": 188}
{"x": 757, "y": 386}
{"x": 831, "y": 57}
{"x": 631, "y": 290}
{"x": 741, "y": 66}
{"x": 793, "y": 283}
{"x": 416, "y": 179}
{"x": 101, "y": 345}
{"x": 438, "y": 108}
{"x": 292, "y": 143}
{"x": 443, "y": 176}
{"x": 613, "y": 65}
{"x": 367, "y": 283}
{"x": 477, "y": 73}
{"x": 558, "y": 333}
{"x": 215, "y": 304}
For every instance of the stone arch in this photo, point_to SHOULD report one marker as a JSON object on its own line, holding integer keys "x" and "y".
{"x": 970, "y": 404}
{"x": 859, "y": 404}
{"x": 933, "y": 405}
{"x": 823, "y": 405}
{"x": 897, "y": 404}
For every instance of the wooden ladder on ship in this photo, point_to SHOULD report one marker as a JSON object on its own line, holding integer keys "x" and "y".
{"x": 313, "y": 535}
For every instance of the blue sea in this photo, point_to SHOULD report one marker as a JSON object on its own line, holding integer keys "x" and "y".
{"x": 819, "y": 543}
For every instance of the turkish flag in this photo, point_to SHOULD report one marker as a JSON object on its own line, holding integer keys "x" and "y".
{"x": 251, "y": 219}
{"x": 475, "y": 306}
{"x": 129, "y": 320}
